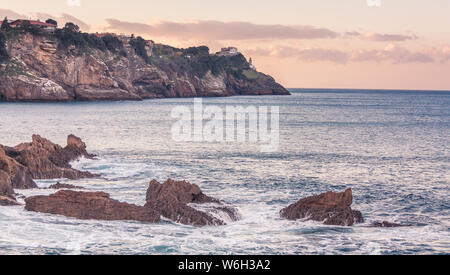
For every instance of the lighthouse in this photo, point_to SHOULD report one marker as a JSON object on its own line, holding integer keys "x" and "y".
{"x": 250, "y": 62}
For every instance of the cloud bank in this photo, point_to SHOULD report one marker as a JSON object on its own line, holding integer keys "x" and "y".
{"x": 391, "y": 53}
{"x": 211, "y": 29}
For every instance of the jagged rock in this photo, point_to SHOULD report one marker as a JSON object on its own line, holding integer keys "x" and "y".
{"x": 19, "y": 175}
{"x": 46, "y": 160}
{"x": 64, "y": 186}
{"x": 175, "y": 200}
{"x": 331, "y": 208}
{"x": 89, "y": 206}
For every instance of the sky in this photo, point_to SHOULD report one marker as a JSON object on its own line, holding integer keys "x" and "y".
{"x": 370, "y": 44}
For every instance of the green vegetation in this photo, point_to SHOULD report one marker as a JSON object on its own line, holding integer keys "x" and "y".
{"x": 71, "y": 36}
{"x": 5, "y": 25}
{"x": 51, "y": 21}
{"x": 197, "y": 61}
{"x": 12, "y": 67}
{"x": 250, "y": 74}
{"x": 139, "y": 45}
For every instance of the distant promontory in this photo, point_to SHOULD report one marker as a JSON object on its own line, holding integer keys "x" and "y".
{"x": 41, "y": 62}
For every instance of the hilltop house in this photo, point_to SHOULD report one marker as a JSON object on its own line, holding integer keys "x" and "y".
{"x": 230, "y": 51}
{"x": 42, "y": 25}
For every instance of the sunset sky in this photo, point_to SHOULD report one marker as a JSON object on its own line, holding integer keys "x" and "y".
{"x": 399, "y": 44}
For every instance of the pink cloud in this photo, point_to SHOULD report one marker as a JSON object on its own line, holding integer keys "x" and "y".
{"x": 378, "y": 37}
{"x": 211, "y": 29}
{"x": 392, "y": 53}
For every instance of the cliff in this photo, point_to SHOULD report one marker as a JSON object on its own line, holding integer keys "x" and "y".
{"x": 71, "y": 66}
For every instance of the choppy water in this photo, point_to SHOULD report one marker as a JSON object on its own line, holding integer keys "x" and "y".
{"x": 392, "y": 148}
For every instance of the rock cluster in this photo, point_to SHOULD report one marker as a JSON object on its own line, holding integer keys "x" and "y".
{"x": 172, "y": 200}
{"x": 39, "y": 159}
{"x": 331, "y": 208}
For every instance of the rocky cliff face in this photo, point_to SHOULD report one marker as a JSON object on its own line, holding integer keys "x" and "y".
{"x": 39, "y": 70}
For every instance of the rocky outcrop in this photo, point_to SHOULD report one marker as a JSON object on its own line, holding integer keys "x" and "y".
{"x": 64, "y": 186}
{"x": 89, "y": 206}
{"x": 39, "y": 71}
{"x": 331, "y": 208}
{"x": 45, "y": 160}
{"x": 176, "y": 201}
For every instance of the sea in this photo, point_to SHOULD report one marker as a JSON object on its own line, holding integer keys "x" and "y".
{"x": 391, "y": 147}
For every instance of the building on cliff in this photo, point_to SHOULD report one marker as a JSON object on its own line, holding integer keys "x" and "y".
{"x": 230, "y": 51}
{"x": 42, "y": 25}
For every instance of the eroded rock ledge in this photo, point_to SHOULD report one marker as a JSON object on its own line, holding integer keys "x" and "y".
{"x": 173, "y": 200}
{"x": 331, "y": 208}
{"x": 89, "y": 205}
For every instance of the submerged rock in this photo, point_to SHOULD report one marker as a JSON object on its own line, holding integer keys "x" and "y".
{"x": 176, "y": 200}
{"x": 389, "y": 224}
{"x": 331, "y": 208}
{"x": 64, "y": 186}
{"x": 90, "y": 206}
{"x": 46, "y": 160}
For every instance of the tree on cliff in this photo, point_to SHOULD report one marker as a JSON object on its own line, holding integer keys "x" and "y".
{"x": 139, "y": 45}
{"x": 71, "y": 27}
{"x": 51, "y": 21}
{"x": 27, "y": 27}
{"x": 5, "y": 25}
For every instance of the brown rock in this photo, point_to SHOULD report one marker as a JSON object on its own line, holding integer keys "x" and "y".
{"x": 6, "y": 188}
{"x": 172, "y": 199}
{"x": 7, "y": 201}
{"x": 19, "y": 175}
{"x": 89, "y": 206}
{"x": 46, "y": 160}
{"x": 330, "y": 208}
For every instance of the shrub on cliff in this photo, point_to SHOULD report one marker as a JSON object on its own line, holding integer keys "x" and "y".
{"x": 51, "y": 21}
{"x": 5, "y": 25}
{"x": 3, "y": 53}
{"x": 139, "y": 45}
{"x": 70, "y": 36}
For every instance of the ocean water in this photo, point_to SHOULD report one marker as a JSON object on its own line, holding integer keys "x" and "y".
{"x": 391, "y": 147}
